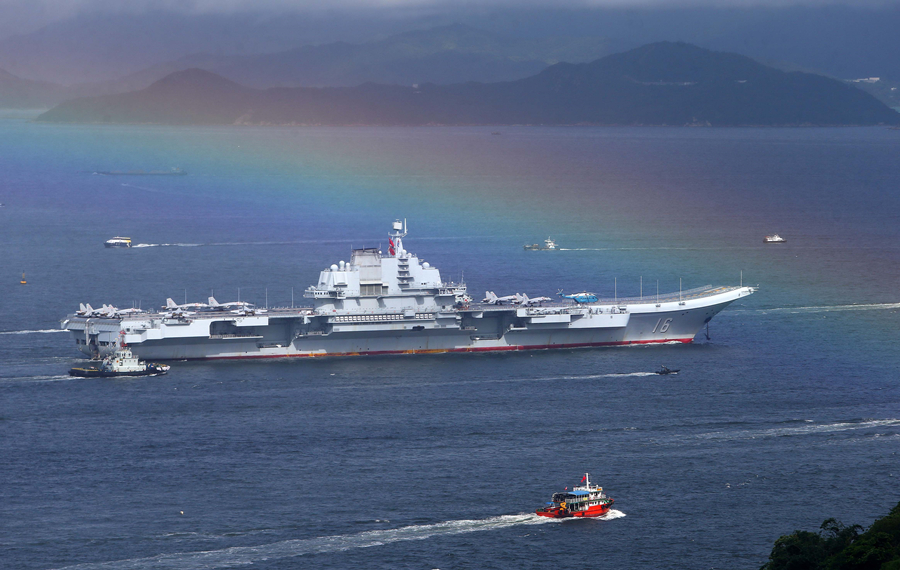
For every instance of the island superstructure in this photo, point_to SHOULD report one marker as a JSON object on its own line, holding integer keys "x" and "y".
{"x": 393, "y": 302}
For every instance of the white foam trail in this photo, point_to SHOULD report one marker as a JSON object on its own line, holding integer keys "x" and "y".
{"x": 248, "y": 555}
{"x": 170, "y": 245}
{"x": 801, "y": 430}
{"x": 56, "y": 378}
{"x": 613, "y": 375}
{"x": 141, "y": 245}
{"x": 45, "y": 331}
{"x": 142, "y": 187}
{"x": 267, "y": 243}
{"x": 405, "y": 386}
{"x": 648, "y": 248}
{"x": 820, "y": 309}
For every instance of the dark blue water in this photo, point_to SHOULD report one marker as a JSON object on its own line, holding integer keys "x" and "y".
{"x": 789, "y": 415}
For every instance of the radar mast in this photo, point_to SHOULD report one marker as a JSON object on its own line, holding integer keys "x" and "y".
{"x": 395, "y": 238}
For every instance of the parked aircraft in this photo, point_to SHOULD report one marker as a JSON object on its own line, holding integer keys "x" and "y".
{"x": 178, "y": 313}
{"x": 84, "y": 310}
{"x": 249, "y": 310}
{"x": 107, "y": 311}
{"x": 104, "y": 311}
{"x": 491, "y": 299}
{"x": 171, "y": 305}
{"x": 217, "y": 306}
{"x": 130, "y": 311}
{"x": 526, "y": 302}
{"x": 583, "y": 297}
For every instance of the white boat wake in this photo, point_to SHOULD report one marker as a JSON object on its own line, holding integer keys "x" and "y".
{"x": 166, "y": 245}
{"x": 611, "y": 375}
{"x": 816, "y": 309}
{"x": 650, "y": 248}
{"x": 809, "y": 429}
{"x": 45, "y": 331}
{"x": 53, "y": 378}
{"x": 249, "y": 555}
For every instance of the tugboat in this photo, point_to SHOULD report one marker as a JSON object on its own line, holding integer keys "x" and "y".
{"x": 121, "y": 363}
{"x": 549, "y": 244}
{"x": 774, "y": 238}
{"x": 586, "y": 500}
{"x": 118, "y": 241}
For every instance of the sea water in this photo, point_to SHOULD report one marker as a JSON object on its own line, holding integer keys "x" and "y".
{"x": 787, "y": 415}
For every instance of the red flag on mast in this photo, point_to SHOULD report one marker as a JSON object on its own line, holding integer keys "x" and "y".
{"x": 583, "y": 479}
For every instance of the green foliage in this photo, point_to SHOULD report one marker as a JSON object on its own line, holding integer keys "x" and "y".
{"x": 838, "y": 536}
{"x": 840, "y": 547}
{"x": 801, "y": 550}
{"x": 870, "y": 552}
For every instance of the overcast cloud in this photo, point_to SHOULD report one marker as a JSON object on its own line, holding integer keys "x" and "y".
{"x": 65, "y": 8}
{"x": 23, "y": 16}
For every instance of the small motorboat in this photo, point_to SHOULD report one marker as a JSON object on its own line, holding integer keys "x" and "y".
{"x": 586, "y": 501}
{"x": 118, "y": 241}
{"x": 774, "y": 238}
{"x": 663, "y": 370}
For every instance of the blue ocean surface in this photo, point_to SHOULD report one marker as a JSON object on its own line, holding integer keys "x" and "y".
{"x": 787, "y": 415}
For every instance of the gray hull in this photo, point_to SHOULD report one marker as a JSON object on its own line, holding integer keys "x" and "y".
{"x": 283, "y": 334}
{"x": 395, "y": 303}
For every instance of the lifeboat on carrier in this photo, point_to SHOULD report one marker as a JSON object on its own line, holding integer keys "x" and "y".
{"x": 586, "y": 500}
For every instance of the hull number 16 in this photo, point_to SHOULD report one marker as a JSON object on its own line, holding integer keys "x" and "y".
{"x": 664, "y": 327}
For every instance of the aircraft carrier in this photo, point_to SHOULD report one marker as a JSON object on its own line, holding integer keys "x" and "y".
{"x": 394, "y": 303}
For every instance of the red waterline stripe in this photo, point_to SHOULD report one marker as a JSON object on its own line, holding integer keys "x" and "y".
{"x": 444, "y": 350}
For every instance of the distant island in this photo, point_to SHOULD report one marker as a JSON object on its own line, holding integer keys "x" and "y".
{"x": 444, "y": 55}
{"x": 666, "y": 83}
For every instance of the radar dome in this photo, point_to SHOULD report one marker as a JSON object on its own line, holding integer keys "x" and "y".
{"x": 425, "y": 265}
{"x": 334, "y": 267}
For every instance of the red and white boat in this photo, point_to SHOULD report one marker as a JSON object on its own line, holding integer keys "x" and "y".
{"x": 585, "y": 500}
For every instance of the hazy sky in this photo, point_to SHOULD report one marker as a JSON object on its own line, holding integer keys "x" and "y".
{"x": 23, "y": 16}
{"x": 54, "y": 9}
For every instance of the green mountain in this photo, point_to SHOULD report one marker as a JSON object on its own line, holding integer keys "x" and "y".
{"x": 658, "y": 84}
{"x": 447, "y": 54}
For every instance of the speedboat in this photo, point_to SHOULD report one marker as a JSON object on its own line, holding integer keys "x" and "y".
{"x": 118, "y": 241}
{"x": 663, "y": 370}
{"x": 586, "y": 501}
